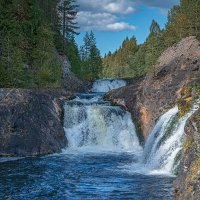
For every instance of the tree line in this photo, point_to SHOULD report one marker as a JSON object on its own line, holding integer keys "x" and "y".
{"x": 32, "y": 35}
{"x": 29, "y": 36}
{"x": 132, "y": 60}
{"x": 91, "y": 67}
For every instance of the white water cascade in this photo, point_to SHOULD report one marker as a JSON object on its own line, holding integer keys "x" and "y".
{"x": 106, "y": 85}
{"x": 92, "y": 124}
{"x": 165, "y": 141}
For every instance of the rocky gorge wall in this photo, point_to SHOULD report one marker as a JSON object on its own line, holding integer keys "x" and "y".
{"x": 31, "y": 122}
{"x": 149, "y": 97}
{"x": 177, "y": 71}
{"x": 187, "y": 185}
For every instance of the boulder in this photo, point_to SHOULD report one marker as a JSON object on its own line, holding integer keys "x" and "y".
{"x": 31, "y": 122}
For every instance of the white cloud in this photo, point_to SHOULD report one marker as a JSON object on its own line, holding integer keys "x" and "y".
{"x": 158, "y": 3}
{"x": 108, "y": 15}
{"x": 104, "y": 15}
{"x": 120, "y": 26}
{"x": 101, "y": 21}
{"x": 120, "y": 7}
{"x": 111, "y": 6}
{"x": 94, "y": 21}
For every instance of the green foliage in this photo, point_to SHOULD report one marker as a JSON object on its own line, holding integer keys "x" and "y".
{"x": 117, "y": 64}
{"x": 68, "y": 11}
{"x": 46, "y": 70}
{"x": 176, "y": 166}
{"x": 131, "y": 60}
{"x": 32, "y": 31}
{"x": 91, "y": 62}
{"x": 196, "y": 87}
{"x": 30, "y": 38}
{"x": 154, "y": 29}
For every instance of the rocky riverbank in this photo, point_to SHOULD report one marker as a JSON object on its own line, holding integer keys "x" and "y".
{"x": 31, "y": 122}
{"x": 177, "y": 71}
{"x": 149, "y": 97}
{"x": 187, "y": 185}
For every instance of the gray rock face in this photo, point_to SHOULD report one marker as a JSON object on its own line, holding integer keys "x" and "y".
{"x": 148, "y": 98}
{"x": 187, "y": 184}
{"x": 69, "y": 81}
{"x": 31, "y": 122}
{"x": 189, "y": 48}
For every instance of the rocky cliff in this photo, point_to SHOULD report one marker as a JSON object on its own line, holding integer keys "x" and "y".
{"x": 149, "y": 97}
{"x": 177, "y": 71}
{"x": 69, "y": 80}
{"x": 31, "y": 122}
{"x": 187, "y": 185}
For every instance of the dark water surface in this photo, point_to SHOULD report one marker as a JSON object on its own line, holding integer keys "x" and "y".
{"x": 80, "y": 176}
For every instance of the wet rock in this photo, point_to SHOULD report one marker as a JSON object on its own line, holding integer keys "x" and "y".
{"x": 31, "y": 122}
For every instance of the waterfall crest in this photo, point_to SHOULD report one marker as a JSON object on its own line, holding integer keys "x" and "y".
{"x": 106, "y": 85}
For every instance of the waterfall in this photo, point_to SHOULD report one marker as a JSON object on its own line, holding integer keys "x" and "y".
{"x": 105, "y": 85}
{"x": 165, "y": 141}
{"x": 93, "y": 124}
{"x": 157, "y": 133}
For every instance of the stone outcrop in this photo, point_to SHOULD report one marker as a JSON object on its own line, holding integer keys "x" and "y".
{"x": 69, "y": 81}
{"x": 188, "y": 48}
{"x": 149, "y": 97}
{"x": 31, "y": 122}
{"x": 187, "y": 185}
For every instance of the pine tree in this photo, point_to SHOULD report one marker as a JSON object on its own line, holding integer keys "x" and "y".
{"x": 192, "y": 10}
{"x": 68, "y": 11}
{"x": 154, "y": 28}
{"x": 74, "y": 57}
{"x": 118, "y": 64}
{"x": 152, "y": 46}
{"x": 91, "y": 58}
{"x": 172, "y": 14}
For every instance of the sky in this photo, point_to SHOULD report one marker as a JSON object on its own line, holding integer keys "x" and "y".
{"x": 114, "y": 20}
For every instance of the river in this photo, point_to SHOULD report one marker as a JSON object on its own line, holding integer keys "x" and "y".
{"x": 103, "y": 159}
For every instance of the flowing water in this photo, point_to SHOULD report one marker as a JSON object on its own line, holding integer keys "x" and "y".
{"x": 106, "y": 85}
{"x": 92, "y": 124}
{"x": 104, "y": 159}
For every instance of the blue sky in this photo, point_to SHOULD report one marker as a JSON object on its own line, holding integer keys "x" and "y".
{"x": 113, "y": 20}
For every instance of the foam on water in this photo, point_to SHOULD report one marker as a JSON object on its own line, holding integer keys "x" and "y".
{"x": 163, "y": 145}
{"x": 163, "y": 157}
{"x": 94, "y": 125}
{"x": 157, "y": 133}
{"x": 99, "y": 127}
{"x": 9, "y": 159}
